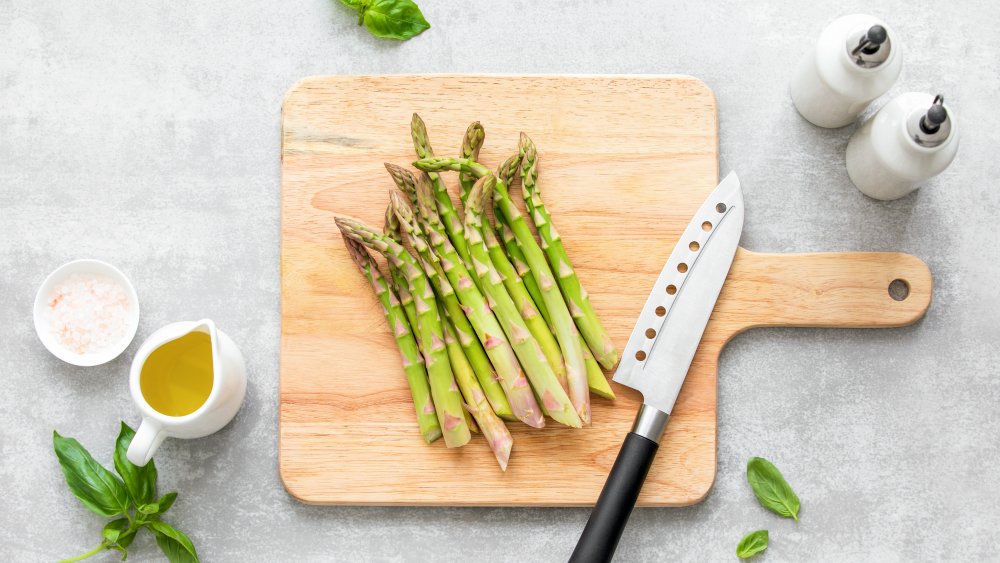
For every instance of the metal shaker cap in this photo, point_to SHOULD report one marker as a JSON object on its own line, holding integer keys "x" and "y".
{"x": 930, "y": 127}
{"x": 869, "y": 47}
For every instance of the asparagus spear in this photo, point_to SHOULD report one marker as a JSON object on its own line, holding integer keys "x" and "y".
{"x": 445, "y": 207}
{"x": 413, "y": 362}
{"x": 464, "y": 332}
{"x": 596, "y": 379}
{"x": 396, "y": 278}
{"x": 391, "y": 228}
{"x": 444, "y": 391}
{"x": 399, "y": 285}
{"x": 543, "y": 378}
{"x": 494, "y": 430}
{"x": 471, "y": 144}
{"x": 520, "y": 264}
{"x": 514, "y": 285}
{"x": 562, "y": 321}
{"x": 407, "y": 184}
{"x": 404, "y": 180}
{"x": 508, "y": 169}
{"x": 576, "y": 297}
{"x": 441, "y": 163}
{"x": 474, "y": 307}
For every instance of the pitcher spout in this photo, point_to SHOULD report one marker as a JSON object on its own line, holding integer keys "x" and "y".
{"x": 205, "y": 325}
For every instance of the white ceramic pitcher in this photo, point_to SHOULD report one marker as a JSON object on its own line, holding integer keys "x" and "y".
{"x": 229, "y": 384}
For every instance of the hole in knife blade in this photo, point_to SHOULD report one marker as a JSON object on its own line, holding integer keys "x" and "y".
{"x": 672, "y": 289}
{"x": 640, "y": 355}
{"x": 650, "y": 333}
{"x": 694, "y": 246}
{"x": 706, "y": 226}
{"x": 720, "y": 207}
{"x": 682, "y": 267}
{"x": 661, "y": 310}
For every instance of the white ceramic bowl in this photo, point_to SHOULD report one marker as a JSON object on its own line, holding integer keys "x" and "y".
{"x": 41, "y": 304}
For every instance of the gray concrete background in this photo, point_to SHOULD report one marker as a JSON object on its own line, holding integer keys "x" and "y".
{"x": 147, "y": 135}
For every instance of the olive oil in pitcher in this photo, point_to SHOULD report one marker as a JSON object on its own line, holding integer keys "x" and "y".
{"x": 177, "y": 377}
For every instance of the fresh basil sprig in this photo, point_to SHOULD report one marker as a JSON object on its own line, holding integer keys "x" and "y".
{"x": 752, "y": 544}
{"x": 771, "y": 489}
{"x": 129, "y": 498}
{"x": 391, "y": 19}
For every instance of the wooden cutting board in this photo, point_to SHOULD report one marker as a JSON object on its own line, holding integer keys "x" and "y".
{"x": 624, "y": 163}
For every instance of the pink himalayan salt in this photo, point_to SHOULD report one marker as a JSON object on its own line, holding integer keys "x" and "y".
{"x": 88, "y": 313}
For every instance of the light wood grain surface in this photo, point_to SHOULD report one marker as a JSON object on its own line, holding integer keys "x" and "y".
{"x": 625, "y": 162}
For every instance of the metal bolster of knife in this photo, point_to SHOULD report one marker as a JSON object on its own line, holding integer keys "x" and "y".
{"x": 650, "y": 423}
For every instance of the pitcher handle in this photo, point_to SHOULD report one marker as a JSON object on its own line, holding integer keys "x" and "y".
{"x": 145, "y": 442}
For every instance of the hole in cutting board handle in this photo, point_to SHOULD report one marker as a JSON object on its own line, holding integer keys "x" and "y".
{"x": 899, "y": 289}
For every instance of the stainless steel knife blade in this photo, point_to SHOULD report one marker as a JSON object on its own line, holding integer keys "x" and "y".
{"x": 666, "y": 336}
{"x": 659, "y": 353}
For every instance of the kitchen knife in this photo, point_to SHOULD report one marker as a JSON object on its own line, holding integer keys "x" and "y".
{"x": 659, "y": 353}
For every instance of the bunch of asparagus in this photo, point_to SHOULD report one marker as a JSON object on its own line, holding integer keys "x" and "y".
{"x": 491, "y": 323}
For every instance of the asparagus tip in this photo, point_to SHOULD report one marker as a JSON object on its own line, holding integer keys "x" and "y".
{"x": 418, "y": 131}
{"x": 508, "y": 169}
{"x": 395, "y": 201}
{"x": 482, "y": 191}
{"x": 402, "y": 177}
{"x": 401, "y": 209}
{"x": 343, "y": 223}
{"x": 417, "y": 126}
{"x": 526, "y": 148}
{"x": 357, "y": 252}
{"x": 473, "y": 141}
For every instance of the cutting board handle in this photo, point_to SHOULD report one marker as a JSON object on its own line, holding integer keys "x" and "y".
{"x": 830, "y": 289}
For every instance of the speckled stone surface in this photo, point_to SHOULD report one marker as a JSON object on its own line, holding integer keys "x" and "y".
{"x": 147, "y": 135}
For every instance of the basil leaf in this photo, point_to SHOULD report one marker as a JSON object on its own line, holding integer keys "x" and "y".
{"x": 140, "y": 481}
{"x": 356, "y": 4}
{"x": 772, "y": 491}
{"x": 175, "y": 545}
{"x": 160, "y": 506}
{"x": 166, "y": 502}
{"x": 113, "y": 529}
{"x": 97, "y": 488}
{"x": 118, "y": 535}
{"x": 752, "y": 544}
{"x": 394, "y": 19}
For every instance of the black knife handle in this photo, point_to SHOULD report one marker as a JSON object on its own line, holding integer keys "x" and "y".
{"x": 600, "y": 537}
